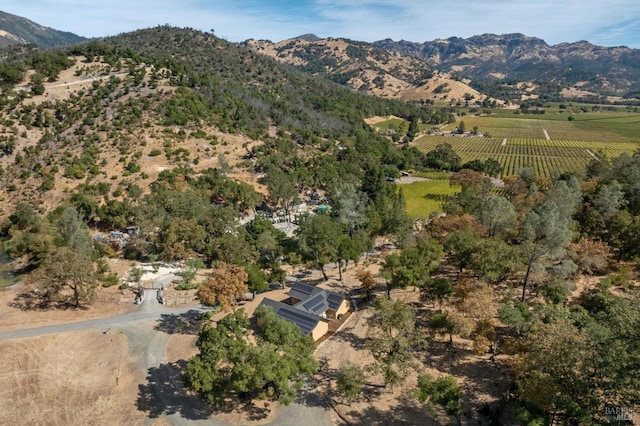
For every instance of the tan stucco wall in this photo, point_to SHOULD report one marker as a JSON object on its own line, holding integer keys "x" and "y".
{"x": 321, "y": 329}
{"x": 343, "y": 308}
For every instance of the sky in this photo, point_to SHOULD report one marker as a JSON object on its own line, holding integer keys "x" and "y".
{"x": 601, "y": 22}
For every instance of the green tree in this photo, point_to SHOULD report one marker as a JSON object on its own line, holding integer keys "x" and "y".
{"x": 462, "y": 247}
{"x": 282, "y": 188}
{"x": 136, "y": 274}
{"x": 412, "y": 131}
{"x": 443, "y": 157}
{"x": 413, "y": 265}
{"x": 209, "y": 373}
{"x": 351, "y": 380}
{"x": 436, "y": 289}
{"x": 37, "y": 86}
{"x": 440, "y": 322}
{"x": 497, "y": 214}
{"x": 623, "y": 234}
{"x": 10, "y": 74}
{"x": 496, "y": 260}
{"x": 67, "y": 276}
{"x": 551, "y": 375}
{"x": 609, "y": 199}
{"x": 32, "y": 236}
{"x": 546, "y": 230}
{"x": 256, "y": 279}
{"x": 351, "y": 208}
{"x": 290, "y": 353}
{"x": 475, "y": 188}
{"x": 393, "y": 340}
{"x": 443, "y": 391}
{"x": 349, "y": 249}
{"x": 317, "y": 237}
{"x": 228, "y": 364}
{"x": 192, "y": 265}
{"x": 492, "y": 167}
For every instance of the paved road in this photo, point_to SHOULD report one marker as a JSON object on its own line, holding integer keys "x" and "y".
{"x": 147, "y": 341}
{"x": 142, "y": 314}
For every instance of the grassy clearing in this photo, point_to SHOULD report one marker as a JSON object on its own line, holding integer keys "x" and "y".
{"x": 433, "y": 174}
{"x": 393, "y": 123}
{"x": 427, "y": 197}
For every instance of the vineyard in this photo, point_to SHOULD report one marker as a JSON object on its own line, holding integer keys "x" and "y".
{"x": 551, "y": 146}
{"x": 547, "y": 157}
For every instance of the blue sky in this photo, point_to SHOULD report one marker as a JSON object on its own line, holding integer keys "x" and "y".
{"x": 602, "y": 22}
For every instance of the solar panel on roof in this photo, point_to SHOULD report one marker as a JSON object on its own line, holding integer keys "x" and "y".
{"x": 315, "y": 304}
{"x": 334, "y": 300}
{"x": 303, "y": 288}
{"x": 306, "y": 323}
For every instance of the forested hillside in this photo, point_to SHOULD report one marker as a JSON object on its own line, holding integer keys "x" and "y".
{"x": 17, "y": 30}
{"x": 143, "y": 85}
{"x": 142, "y": 115}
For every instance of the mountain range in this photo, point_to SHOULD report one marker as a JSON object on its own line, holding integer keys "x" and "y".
{"x": 17, "y": 30}
{"x": 605, "y": 71}
{"x": 507, "y": 67}
{"x": 367, "y": 68}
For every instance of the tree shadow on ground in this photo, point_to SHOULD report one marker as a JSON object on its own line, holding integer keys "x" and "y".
{"x": 164, "y": 393}
{"x": 189, "y": 322}
{"x": 346, "y": 335}
{"x": 405, "y": 413}
{"x": 309, "y": 395}
{"x": 31, "y": 300}
{"x": 251, "y": 409}
{"x": 484, "y": 383}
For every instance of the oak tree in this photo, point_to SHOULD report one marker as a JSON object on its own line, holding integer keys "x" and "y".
{"x": 394, "y": 339}
{"x": 226, "y": 286}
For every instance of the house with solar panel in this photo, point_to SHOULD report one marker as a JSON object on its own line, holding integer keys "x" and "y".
{"x": 311, "y": 308}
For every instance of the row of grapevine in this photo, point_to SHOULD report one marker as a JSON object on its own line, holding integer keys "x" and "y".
{"x": 577, "y": 143}
{"x": 545, "y": 157}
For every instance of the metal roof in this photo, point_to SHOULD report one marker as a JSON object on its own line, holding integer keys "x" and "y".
{"x": 317, "y": 304}
{"x": 304, "y": 320}
{"x": 334, "y": 300}
{"x": 302, "y": 291}
{"x": 306, "y": 314}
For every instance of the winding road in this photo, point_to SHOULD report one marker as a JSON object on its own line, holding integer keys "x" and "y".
{"x": 147, "y": 338}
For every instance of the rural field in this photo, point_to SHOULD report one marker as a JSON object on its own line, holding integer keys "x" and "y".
{"x": 426, "y": 197}
{"x": 550, "y": 144}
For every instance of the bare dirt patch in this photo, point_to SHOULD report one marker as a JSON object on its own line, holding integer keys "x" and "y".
{"x": 14, "y": 315}
{"x": 83, "y": 378}
{"x": 372, "y": 121}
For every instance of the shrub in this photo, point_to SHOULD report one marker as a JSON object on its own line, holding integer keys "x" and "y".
{"x": 110, "y": 280}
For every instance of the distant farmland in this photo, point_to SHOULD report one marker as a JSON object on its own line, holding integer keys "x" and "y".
{"x": 549, "y": 145}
